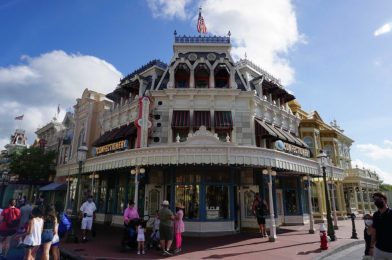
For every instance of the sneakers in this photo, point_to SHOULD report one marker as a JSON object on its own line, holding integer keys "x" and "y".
{"x": 138, "y": 252}
{"x": 166, "y": 252}
{"x": 177, "y": 250}
{"x": 143, "y": 252}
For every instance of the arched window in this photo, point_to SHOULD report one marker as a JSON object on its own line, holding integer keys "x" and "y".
{"x": 309, "y": 141}
{"x": 202, "y": 76}
{"x": 222, "y": 76}
{"x": 182, "y": 76}
{"x": 81, "y": 137}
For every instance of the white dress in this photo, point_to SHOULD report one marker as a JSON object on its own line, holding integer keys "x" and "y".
{"x": 34, "y": 238}
{"x": 140, "y": 234}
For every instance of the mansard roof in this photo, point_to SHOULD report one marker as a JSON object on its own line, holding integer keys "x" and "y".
{"x": 145, "y": 67}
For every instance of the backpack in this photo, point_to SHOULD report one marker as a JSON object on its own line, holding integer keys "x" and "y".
{"x": 13, "y": 219}
{"x": 65, "y": 224}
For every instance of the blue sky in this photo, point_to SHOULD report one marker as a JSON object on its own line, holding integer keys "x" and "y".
{"x": 327, "y": 52}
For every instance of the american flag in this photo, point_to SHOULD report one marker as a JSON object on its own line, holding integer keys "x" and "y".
{"x": 19, "y": 117}
{"x": 201, "y": 26}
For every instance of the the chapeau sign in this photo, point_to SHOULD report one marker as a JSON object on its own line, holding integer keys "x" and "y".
{"x": 120, "y": 145}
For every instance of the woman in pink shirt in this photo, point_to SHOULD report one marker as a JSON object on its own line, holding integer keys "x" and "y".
{"x": 130, "y": 213}
{"x": 179, "y": 226}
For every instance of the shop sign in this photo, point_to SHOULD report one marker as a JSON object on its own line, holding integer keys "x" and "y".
{"x": 293, "y": 149}
{"x": 120, "y": 145}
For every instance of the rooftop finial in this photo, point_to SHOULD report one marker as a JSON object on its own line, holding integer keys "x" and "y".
{"x": 229, "y": 33}
{"x": 175, "y": 33}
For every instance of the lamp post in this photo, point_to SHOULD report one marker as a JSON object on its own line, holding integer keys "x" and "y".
{"x": 272, "y": 237}
{"x": 323, "y": 161}
{"x": 138, "y": 170}
{"x": 335, "y": 217}
{"x": 82, "y": 154}
{"x": 311, "y": 218}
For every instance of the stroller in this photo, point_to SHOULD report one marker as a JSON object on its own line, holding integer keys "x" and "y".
{"x": 153, "y": 241}
{"x": 128, "y": 240}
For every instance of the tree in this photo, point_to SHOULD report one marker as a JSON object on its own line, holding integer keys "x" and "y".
{"x": 385, "y": 187}
{"x": 33, "y": 164}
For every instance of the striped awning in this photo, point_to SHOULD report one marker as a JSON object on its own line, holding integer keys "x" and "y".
{"x": 181, "y": 119}
{"x": 123, "y": 132}
{"x": 223, "y": 120}
{"x": 263, "y": 129}
{"x": 201, "y": 118}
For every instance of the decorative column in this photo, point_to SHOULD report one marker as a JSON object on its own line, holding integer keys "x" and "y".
{"x": 212, "y": 78}
{"x": 362, "y": 201}
{"x": 368, "y": 201}
{"x": 272, "y": 237}
{"x": 311, "y": 218}
{"x": 320, "y": 199}
{"x": 192, "y": 79}
{"x": 339, "y": 195}
{"x": 355, "y": 197}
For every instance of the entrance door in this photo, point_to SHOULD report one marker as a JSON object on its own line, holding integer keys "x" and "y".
{"x": 279, "y": 202}
{"x": 247, "y": 195}
{"x": 153, "y": 198}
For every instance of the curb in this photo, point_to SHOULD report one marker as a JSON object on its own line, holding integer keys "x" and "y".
{"x": 69, "y": 255}
{"x": 339, "y": 249}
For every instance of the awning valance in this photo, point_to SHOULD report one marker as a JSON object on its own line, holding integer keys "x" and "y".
{"x": 53, "y": 187}
{"x": 223, "y": 120}
{"x": 201, "y": 118}
{"x": 181, "y": 119}
{"x": 123, "y": 132}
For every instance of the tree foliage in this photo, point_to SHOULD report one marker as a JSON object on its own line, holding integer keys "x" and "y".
{"x": 385, "y": 187}
{"x": 33, "y": 164}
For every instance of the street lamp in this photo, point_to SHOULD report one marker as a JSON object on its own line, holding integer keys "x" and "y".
{"x": 323, "y": 161}
{"x": 82, "y": 155}
{"x": 311, "y": 218}
{"x": 272, "y": 237}
{"x": 335, "y": 217}
{"x": 138, "y": 170}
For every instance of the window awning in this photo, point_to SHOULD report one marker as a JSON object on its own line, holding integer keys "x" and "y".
{"x": 123, "y": 132}
{"x": 181, "y": 119}
{"x": 278, "y": 133}
{"x": 223, "y": 120}
{"x": 201, "y": 118}
{"x": 53, "y": 187}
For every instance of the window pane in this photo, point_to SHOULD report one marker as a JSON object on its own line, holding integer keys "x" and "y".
{"x": 131, "y": 190}
{"x": 188, "y": 195}
{"x": 102, "y": 196}
{"x": 217, "y": 202}
{"x": 291, "y": 202}
{"x": 248, "y": 200}
{"x": 121, "y": 195}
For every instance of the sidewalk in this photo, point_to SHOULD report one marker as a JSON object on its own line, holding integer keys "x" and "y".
{"x": 293, "y": 242}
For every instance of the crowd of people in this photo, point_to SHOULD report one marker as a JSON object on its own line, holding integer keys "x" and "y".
{"x": 32, "y": 227}
{"x": 166, "y": 226}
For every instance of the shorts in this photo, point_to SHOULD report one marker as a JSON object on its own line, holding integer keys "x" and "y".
{"x": 87, "y": 223}
{"x": 165, "y": 232}
{"x": 140, "y": 238}
{"x": 47, "y": 236}
{"x": 261, "y": 220}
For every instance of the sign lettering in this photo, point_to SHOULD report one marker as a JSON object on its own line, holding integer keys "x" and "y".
{"x": 111, "y": 147}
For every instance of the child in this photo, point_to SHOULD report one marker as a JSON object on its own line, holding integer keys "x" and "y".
{"x": 155, "y": 231}
{"x": 32, "y": 241}
{"x": 178, "y": 227}
{"x": 141, "y": 228}
{"x": 366, "y": 234}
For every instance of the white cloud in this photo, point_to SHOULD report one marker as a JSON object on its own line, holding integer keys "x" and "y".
{"x": 39, "y": 84}
{"x": 168, "y": 9}
{"x": 376, "y": 152}
{"x": 386, "y": 28}
{"x": 265, "y": 30}
{"x": 385, "y": 176}
{"x": 388, "y": 142}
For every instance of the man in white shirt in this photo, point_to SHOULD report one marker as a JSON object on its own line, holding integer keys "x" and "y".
{"x": 87, "y": 210}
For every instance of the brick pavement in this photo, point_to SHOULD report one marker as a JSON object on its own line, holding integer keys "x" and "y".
{"x": 293, "y": 242}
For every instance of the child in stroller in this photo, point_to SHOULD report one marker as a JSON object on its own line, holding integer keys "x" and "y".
{"x": 153, "y": 242}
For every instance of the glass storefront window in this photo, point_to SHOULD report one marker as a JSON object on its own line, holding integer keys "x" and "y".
{"x": 121, "y": 195}
{"x": 291, "y": 202}
{"x": 131, "y": 190}
{"x": 188, "y": 178}
{"x": 248, "y": 200}
{"x": 217, "y": 202}
{"x": 188, "y": 195}
{"x": 315, "y": 201}
{"x": 102, "y": 196}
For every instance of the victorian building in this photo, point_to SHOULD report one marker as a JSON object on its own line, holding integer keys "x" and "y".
{"x": 202, "y": 130}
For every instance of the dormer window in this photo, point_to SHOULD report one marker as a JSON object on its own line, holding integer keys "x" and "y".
{"x": 182, "y": 76}
{"x": 222, "y": 76}
{"x": 202, "y": 76}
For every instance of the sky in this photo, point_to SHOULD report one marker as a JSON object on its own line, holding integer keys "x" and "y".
{"x": 335, "y": 56}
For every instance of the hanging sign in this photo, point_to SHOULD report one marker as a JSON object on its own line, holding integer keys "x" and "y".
{"x": 120, "y": 145}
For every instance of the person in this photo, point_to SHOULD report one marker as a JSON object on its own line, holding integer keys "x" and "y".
{"x": 141, "y": 229}
{"x": 154, "y": 237}
{"x": 25, "y": 214}
{"x": 49, "y": 231}
{"x": 166, "y": 227}
{"x": 32, "y": 240}
{"x": 60, "y": 233}
{"x": 381, "y": 230}
{"x": 130, "y": 213}
{"x": 179, "y": 227}
{"x": 366, "y": 234}
{"x": 10, "y": 218}
{"x": 87, "y": 210}
{"x": 260, "y": 209}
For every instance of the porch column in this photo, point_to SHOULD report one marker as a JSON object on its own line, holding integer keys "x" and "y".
{"x": 362, "y": 201}
{"x": 192, "y": 79}
{"x": 212, "y": 78}
{"x": 272, "y": 237}
{"x": 355, "y": 197}
{"x": 320, "y": 199}
{"x": 311, "y": 218}
{"x": 339, "y": 195}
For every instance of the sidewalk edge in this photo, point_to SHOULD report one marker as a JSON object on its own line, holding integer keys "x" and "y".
{"x": 70, "y": 254}
{"x": 340, "y": 248}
